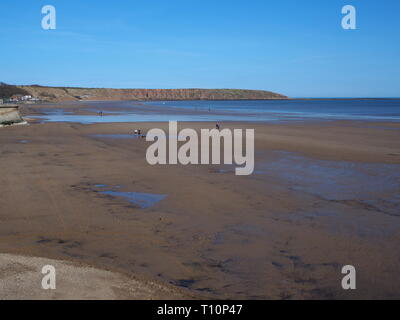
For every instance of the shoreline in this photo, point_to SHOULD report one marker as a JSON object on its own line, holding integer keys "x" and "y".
{"x": 63, "y": 102}
{"x": 142, "y": 111}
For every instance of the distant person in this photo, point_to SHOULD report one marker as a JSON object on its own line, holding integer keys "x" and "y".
{"x": 217, "y": 126}
{"x": 101, "y": 113}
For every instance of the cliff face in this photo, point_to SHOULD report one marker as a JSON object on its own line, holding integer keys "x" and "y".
{"x": 58, "y": 94}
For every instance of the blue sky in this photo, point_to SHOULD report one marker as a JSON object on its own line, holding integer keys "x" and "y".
{"x": 293, "y": 47}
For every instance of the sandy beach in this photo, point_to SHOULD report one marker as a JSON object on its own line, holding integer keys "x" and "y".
{"x": 21, "y": 279}
{"x": 282, "y": 233}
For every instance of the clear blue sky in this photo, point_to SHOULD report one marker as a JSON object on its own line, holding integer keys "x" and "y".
{"x": 289, "y": 46}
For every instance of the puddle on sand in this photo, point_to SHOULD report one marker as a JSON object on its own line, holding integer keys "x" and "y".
{"x": 142, "y": 200}
{"x": 233, "y": 170}
{"x": 133, "y": 136}
{"x": 62, "y": 116}
{"x": 331, "y": 180}
{"x": 374, "y": 186}
{"x": 243, "y": 234}
{"x": 335, "y": 180}
{"x": 102, "y": 186}
{"x": 24, "y": 141}
{"x": 116, "y": 136}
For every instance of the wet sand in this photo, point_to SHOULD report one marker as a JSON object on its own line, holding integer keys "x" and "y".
{"x": 214, "y": 235}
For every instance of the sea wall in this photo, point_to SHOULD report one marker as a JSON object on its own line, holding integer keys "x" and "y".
{"x": 10, "y": 115}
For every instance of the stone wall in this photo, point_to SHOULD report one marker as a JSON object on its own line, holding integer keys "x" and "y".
{"x": 9, "y": 115}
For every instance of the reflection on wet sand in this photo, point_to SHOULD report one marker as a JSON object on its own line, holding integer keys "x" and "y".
{"x": 142, "y": 200}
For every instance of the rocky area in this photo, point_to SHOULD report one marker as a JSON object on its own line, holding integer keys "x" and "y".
{"x": 9, "y": 115}
{"x": 59, "y": 94}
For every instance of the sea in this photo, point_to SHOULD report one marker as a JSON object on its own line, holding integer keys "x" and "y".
{"x": 241, "y": 110}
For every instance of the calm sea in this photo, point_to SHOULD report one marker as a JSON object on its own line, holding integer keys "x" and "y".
{"x": 377, "y": 109}
{"x": 279, "y": 110}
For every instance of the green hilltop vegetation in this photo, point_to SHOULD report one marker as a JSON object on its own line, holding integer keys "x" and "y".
{"x": 6, "y": 91}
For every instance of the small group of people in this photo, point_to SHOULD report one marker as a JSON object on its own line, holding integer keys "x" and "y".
{"x": 138, "y": 133}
